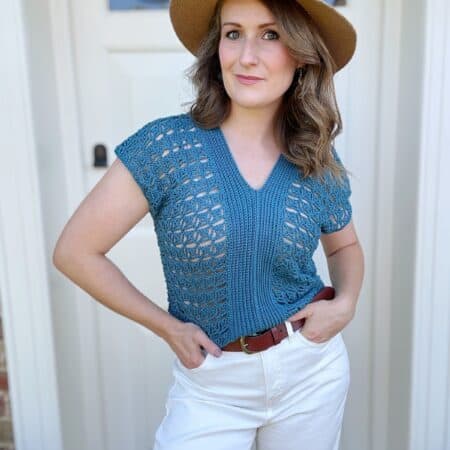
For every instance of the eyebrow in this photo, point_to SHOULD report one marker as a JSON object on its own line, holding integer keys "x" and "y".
{"x": 239, "y": 25}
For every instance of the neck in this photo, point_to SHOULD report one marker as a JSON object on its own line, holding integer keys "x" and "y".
{"x": 254, "y": 126}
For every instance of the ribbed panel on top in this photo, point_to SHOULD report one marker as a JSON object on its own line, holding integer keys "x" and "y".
{"x": 236, "y": 260}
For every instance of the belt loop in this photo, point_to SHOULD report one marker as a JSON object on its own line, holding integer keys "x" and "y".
{"x": 290, "y": 329}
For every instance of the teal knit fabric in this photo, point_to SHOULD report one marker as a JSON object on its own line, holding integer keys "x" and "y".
{"x": 236, "y": 260}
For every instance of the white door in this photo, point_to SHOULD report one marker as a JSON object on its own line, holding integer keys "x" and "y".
{"x": 129, "y": 71}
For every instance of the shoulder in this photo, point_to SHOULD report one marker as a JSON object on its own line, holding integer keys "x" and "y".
{"x": 157, "y": 129}
{"x": 173, "y": 120}
{"x": 333, "y": 182}
{"x": 153, "y": 136}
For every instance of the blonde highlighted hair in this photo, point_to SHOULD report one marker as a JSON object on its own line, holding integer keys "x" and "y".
{"x": 309, "y": 119}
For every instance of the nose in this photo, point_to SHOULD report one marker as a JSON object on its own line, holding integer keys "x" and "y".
{"x": 249, "y": 52}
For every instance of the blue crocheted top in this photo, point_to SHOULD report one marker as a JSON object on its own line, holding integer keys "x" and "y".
{"x": 236, "y": 260}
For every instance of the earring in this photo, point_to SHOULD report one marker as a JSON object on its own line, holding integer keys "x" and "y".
{"x": 300, "y": 74}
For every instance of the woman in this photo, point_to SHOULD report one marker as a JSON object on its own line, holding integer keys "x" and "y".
{"x": 240, "y": 189}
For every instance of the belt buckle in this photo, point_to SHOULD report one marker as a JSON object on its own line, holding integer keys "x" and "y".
{"x": 244, "y": 345}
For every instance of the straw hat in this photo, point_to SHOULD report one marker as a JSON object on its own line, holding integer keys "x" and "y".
{"x": 190, "y": 20}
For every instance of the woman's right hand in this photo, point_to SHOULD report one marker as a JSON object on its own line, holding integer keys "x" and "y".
{"x": 187, "y": 339}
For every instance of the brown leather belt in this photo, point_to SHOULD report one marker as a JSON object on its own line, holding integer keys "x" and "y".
{"x": 273, "y": 336}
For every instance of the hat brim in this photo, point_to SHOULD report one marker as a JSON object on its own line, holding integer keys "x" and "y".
{"x": 190, "y": 20}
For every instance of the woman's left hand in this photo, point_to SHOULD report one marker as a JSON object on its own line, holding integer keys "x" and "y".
{"x": 324, "y": 318}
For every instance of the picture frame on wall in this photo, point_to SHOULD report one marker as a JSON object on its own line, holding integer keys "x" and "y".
{"x": 164, "y": 4}
{"x": 115, "y": 5}
{"x": 336, "y": 2}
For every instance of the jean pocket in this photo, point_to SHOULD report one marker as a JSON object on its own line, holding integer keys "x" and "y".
{"x": 207, "y": 357}
{"x": 311, "y": 343}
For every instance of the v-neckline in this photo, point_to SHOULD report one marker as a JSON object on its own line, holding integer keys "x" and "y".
{"x": 232, "y": 165}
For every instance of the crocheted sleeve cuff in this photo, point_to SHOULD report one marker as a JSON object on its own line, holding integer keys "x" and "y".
{"x": 141, "y": 155}
{"x": 338, "y": 208}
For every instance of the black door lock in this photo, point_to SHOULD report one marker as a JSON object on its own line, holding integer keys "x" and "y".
{"x": 100, "y": 156}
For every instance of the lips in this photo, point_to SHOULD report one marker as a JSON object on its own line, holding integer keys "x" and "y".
{"x": 245, "y": 77}
{"x": 248, "y": 80}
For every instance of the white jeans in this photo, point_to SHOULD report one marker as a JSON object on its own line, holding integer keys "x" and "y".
{"x": 289, "y": 396}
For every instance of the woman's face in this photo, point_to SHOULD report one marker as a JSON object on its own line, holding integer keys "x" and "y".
{"x": 250, "y": 47}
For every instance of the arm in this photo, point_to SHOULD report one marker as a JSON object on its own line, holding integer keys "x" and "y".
{"x": 110, "y": 210}
{"x": 346, "y": 267}
{"x": 345, "y": 261}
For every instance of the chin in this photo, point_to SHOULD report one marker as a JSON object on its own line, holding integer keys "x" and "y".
{"x": 249, "y": 98}
{"x": 253, "y": 102}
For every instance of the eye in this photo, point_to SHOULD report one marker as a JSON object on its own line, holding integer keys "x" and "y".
{"x": 266, "y": 32}
{"x": 274, "y": 33}
{"x": 229, "y": 32}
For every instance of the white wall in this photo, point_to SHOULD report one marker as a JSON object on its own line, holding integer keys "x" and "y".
{"x": 430, "y": 366}
{"x": 404, "y": 225}
{"x": 26, "y": 311}
{"x": 56, "y": 206}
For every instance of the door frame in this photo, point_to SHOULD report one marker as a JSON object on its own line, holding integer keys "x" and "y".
{"x": 24, "y": 285}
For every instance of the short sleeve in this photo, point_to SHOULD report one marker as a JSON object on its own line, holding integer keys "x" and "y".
{"x": 337, "y": 206}
{"x": 141, "y": 155}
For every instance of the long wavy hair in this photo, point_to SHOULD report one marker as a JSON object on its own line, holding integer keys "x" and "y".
{"x": 309, "y": 119}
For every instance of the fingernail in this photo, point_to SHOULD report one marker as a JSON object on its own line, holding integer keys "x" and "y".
{"x": 218, "y": 352}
